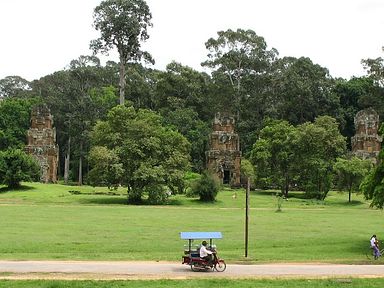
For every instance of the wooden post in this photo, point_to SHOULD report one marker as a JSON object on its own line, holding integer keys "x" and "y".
{"x": 247, "y": 215}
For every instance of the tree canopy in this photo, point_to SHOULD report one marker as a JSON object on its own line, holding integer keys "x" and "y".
{"x": 123, "y": 25}
{"x": 147, "y": 155}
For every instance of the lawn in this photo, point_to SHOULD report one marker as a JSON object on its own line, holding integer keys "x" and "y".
{"x": 191, "y": 283}
{"x": 80, "y": 223}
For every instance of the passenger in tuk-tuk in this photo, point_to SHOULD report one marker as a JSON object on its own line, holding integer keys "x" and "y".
{"x": 205, "y": 253}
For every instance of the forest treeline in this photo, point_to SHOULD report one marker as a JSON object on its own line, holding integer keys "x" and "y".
{"x": 246, "y": 78}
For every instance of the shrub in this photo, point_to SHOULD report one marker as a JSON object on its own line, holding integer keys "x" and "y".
{"x": 157, "y": 195}
{"x": 206, "y": 187}
{"x": 17, "y": 166}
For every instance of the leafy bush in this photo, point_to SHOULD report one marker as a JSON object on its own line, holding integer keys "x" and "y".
{"x": 17, "y": 166}
{"x": 189, "y": 180}
{"x": 157, "y": 195}
{"x": 206, "y": 187}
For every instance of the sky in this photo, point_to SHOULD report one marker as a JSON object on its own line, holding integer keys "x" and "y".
{"x": 39, "y": 37}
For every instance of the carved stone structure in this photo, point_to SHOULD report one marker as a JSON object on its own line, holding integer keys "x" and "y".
{"x": 224, "y": 155}
{"x": 42, "y": 143}
{"x": 366, "y": 143}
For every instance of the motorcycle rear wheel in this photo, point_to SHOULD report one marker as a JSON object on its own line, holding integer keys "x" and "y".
{"x": 194, "y": 267}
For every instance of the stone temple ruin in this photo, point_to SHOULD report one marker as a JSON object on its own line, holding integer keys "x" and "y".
{"x": 224, "y": 155}
{"x": 42, "y": 143}
{"x": 366, "y": 143}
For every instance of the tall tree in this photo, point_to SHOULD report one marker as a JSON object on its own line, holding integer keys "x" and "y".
{"x": 240, "y": 61}
{"x": 318, "y": 146}
{"x": 77, "y": 98}
{"x": 14, "y": 86}
{"x": 375, "y": 68}
{"x": 355, "y": 94}
{"x": 123, "y": 25}
{"x": 273, "y": 154}
{"x": 241, "y": 57}
{"x": 196, "y": 131}
{"x": 300, "y": 91}
{"x": 181, "y": 87}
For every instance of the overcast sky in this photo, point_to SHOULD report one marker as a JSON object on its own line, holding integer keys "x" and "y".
{"x": 39, "y": 37}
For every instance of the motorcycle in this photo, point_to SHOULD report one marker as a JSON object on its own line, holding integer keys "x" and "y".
{"x": 191, "y": 255}
{"x": 199, "y": 264}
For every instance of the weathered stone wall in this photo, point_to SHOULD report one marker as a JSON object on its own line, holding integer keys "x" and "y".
{"x": 42, "y": 143}
{"x": 366, "y": 143}
{"x": 224, "y": 155}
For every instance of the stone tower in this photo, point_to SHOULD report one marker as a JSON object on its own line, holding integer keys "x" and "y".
{"x": 42, "y": 143}
{"x": 224, "y": 156}
{"x": 366, "y": 143}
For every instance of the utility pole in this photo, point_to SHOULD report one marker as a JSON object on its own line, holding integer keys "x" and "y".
{"x": 247, "y": 215}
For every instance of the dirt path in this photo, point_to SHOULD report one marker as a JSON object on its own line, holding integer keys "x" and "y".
{"x": 170, "y": 270}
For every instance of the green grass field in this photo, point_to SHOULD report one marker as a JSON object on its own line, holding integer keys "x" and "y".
{"x": 50, "y": 222}
{"x": 274, "y": 283}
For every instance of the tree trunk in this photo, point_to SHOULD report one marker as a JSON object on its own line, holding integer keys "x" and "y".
{"x": 66, "y": 162}
{"x": 349, "y": 194}
{"x": 80, "y": 181}
{"x": 286, "y": 190}
{"x": 122, "y": 80}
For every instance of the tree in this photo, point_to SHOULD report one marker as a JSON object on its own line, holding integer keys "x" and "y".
{"x": 14, "y": 86}
{"x": 375, "y": 68}
{"x": 106, "y": 167}
{"x": 149, "y": 155}
{"x": 373, "y": 184}
{"x": 241, "y": 64}
{"x": 300, "y": 91}
{"x": 140, "y": 86}
{"x": 122, "y": 24}
{"x": 15, "y": 116}
{"x": 355, "y": 94}
{"x": 247, "y": 171}
{"x": 241, "y": 58}
{"x": 273, "y": 154}
{"x": 318, "y": 145}
{"x": 196, "y": 131}
{"x": 17, "y": 166}
{"x": 350, "y": 173}
{"x": 77, "y": 97}
{"x": 181, "y": 87}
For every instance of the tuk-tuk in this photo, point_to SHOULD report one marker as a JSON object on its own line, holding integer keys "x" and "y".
{"x": 192, "y": 255}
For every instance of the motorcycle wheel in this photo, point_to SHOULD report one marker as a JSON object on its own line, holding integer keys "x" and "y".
{"x": 194, "y": 267}
{"x": 220, "y": 266}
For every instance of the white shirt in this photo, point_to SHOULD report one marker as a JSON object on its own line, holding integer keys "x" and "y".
{"x": 204, "y": 251}
{"x": 373, "y": 242}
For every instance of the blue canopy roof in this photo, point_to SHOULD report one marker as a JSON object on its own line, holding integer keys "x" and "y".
{"x": 200, "y": 235}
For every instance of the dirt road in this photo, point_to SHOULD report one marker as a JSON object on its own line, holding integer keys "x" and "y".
{"x": 168, "y": 270}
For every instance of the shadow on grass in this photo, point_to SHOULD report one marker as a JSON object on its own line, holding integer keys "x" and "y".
{"x": 264, "y": 192}
{"x": 124, "y": 201}
{"x": 352, "y": 203}
{"x": 105, "y": 201}
{"x": 20, "y": 188}
{"x": 204, "y": 203}
{"x": 362, "y": 247}
{"x": 174, "y": 202}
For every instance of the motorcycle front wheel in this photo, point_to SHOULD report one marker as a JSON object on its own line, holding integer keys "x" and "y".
{"x": 220, "y": 266}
